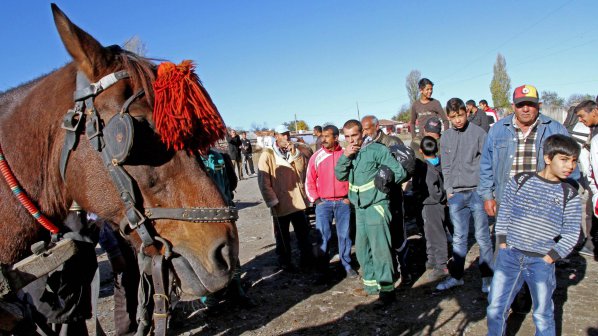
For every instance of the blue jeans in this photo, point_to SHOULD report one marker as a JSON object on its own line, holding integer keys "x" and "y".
{"x": 341, "y": 212}
{"x": 512, "y": 269}
{"x": 463, "y": 206}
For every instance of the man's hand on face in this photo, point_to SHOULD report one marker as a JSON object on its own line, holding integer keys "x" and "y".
{"x": 351, "y": 150}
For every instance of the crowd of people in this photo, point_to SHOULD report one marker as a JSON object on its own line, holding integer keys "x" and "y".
{"x": 523, "y": 183}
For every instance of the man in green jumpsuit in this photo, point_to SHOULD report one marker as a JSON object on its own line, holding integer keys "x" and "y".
{"x": 359, "y": 165}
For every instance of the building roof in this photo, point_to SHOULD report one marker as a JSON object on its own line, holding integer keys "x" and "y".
{"x": 386, "y": 122}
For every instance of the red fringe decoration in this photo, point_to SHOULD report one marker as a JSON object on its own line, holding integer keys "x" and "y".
{"x": 184, "y": 114}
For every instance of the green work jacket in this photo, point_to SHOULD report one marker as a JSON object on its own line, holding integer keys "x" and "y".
{"x": 360, "y": 171}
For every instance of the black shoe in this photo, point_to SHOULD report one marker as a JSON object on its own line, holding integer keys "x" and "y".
{"x": 385, "y": 299}
{"x": 288, "y": 267}
{"x": 406, "y": 279}
{"x": 352, "y": 274}
{"x": 245, "y": 302}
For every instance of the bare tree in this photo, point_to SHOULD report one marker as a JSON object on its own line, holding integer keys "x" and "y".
{"x": 135, "y": 45}
{"x": 577, "y": 98}
{"x": 411, "y": 83}
{"x": 551, "y": 98}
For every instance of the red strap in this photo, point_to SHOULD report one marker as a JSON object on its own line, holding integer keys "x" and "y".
{"x": 13, "y": 184}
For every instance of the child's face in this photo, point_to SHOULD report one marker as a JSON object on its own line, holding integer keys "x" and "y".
{"x": 458, "y": 118}
{"x": 561, "y": 165}
{"x": 427, "y": 91}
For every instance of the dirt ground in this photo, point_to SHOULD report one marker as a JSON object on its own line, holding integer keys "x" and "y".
{"x": 290, "y": 304}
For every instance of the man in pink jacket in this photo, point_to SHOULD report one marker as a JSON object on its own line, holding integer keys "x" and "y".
{"x": 330, "y": 196}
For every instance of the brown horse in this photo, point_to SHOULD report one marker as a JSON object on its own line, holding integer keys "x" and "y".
{"x": 31, "y": 138}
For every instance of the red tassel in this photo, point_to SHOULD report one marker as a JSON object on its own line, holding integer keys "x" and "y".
{"x": 184, "y": 114}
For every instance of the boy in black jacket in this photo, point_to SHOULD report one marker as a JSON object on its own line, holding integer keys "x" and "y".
{"x": 429, "y": 191}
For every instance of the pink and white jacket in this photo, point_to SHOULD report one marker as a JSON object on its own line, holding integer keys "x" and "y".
{"x": 320, "y": 181}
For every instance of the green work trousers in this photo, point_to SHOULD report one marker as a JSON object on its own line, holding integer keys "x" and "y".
{"x": 373, "y": 247}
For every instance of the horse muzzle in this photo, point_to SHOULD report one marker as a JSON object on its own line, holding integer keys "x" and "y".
{"x": 199, "y": 278}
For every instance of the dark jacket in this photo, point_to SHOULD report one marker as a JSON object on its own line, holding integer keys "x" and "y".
{"x": 428, "y": 183}
{"x": 500, "y": 148}
{"x": 461, "y": 153}
{"x": 481, "y": 119}
{"x": 387, "y": 140}
{"x": 246, "y": 146}
{"x": 234, "y": 147}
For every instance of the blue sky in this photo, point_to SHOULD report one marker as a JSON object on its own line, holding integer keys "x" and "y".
{"x": 264, "y": 61}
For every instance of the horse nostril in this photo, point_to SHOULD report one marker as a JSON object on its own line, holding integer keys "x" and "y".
{"x": 221, "y": 257}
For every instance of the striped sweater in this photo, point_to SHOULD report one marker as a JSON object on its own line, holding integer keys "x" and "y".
{"x": 533, "y": 219}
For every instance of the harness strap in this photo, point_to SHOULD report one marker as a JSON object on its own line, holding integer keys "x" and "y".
{"x": 161, "y": 291}
{"x": 206, "y": 215}
{"x": 93, "y": 89}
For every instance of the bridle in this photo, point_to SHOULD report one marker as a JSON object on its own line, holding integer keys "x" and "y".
{"x": 113, "y": 142}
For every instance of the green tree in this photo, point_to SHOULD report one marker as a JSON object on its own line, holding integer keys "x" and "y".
{"x": 500, "y": 86}
{"x": 403, "y": 114}
{"x": 301, "y": 125}
{"x": 551, "y": 98}
{"x": 411, "y": 83}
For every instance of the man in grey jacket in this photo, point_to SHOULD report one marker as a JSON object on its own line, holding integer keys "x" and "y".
{"x": 476, "y": 115}
{"x": 461, "y": 148}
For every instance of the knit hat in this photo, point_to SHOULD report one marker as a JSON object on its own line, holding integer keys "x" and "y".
{"x": 433, "y": 125}
{"x": 526, "y": 93}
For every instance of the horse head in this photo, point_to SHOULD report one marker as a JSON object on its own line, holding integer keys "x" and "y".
{"x": 161, "y": 176}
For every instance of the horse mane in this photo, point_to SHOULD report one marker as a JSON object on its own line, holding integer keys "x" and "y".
{"x": 142, "y": 72}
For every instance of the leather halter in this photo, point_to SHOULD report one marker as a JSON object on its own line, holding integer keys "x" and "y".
{"x": 136, "y": 217}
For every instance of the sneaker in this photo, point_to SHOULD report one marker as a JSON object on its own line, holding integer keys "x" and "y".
{"x": 351, "y": 274}
{"x": 486, "y": 282}
{"x": 449, "y": 283}
{"x": 586, "y": 251}
{"x": 437, "y": 274}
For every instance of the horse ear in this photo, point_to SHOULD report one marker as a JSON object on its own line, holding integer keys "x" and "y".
{"x": 87, "y": 52}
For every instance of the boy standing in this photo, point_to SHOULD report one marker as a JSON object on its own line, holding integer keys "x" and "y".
{"x": 428, "y": 186}
{"x": 536, "y": 209}
{"x": 461, "y": 147}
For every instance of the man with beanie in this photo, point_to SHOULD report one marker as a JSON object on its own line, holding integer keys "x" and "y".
{"x": 432, "y": 128}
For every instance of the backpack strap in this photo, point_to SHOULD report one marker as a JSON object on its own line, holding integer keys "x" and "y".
{"x": 570, "y": 187}
{"x": 570, "y": 191}
{"x": 521, "y": 178}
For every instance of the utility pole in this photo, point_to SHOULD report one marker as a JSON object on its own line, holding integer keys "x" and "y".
{"x": 358, "y": 117}
{"x": 296, "y": 131}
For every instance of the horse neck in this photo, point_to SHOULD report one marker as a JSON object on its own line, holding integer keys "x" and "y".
{"x": 31, "y": 137}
